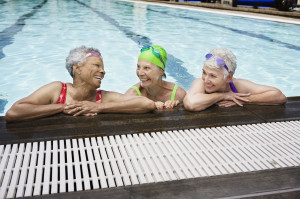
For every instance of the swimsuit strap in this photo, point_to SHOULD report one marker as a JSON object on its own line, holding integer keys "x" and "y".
{"x": 232, "y": 87}
{"x": 174, "y": 92}
{"x": 63, "y": 94}
{"x": 137, "y": 90}
{"x": 99, "y": 100}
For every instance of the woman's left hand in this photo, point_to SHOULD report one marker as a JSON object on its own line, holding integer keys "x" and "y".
{"x": 85, "y": 108}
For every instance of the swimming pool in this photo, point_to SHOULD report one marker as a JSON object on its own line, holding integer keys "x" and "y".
{"x": 37, "y": 35}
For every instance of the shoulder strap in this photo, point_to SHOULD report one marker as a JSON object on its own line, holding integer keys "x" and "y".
{"x": 137, "y": 90}
{"x": 174, "y": 92}
{"x": 232, "y": 87}
{"x": 98, "y": 100}
{"x": 63, "y": 94}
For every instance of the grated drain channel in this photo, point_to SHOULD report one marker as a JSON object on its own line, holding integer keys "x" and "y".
{"x": 48, "y": 167}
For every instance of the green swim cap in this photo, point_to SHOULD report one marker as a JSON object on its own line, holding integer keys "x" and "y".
{"x": 154, "y": 54}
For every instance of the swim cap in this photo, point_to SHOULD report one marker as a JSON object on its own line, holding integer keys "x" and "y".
{"x": 154, "y": 54}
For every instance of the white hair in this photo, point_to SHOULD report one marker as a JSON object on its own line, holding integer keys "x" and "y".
{"x": 78, "y": 56}
{"x": 228, "y": 57}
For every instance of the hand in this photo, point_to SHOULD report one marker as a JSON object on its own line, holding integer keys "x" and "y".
{"x": 238, "y": 98}
{"x": 159, "y": 105}
{"x": 226, "y": 103}
{"x": 171, "y": 103}
{"x": 85, "y": 108}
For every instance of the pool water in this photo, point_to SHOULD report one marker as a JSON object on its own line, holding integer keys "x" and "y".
{"x": 37, "y": 35}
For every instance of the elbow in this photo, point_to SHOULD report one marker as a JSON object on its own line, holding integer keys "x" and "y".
{"x": 281, "y": 98}
{"x": 148, "y": 105}
{"x": 10, "y": 116}
{"x": 190, "y": 105}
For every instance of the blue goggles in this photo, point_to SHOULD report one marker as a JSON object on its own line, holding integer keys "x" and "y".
{"x": 219, "y": 61}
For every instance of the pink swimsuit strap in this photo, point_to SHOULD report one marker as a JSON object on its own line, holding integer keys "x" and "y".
{"x": 63, "y": 95}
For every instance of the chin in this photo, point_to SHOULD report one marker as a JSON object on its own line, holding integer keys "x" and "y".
{"x": 210, "y": 90}
{"x": 144, "y": 84}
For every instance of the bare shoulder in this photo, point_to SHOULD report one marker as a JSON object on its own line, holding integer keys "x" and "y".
{"x": 246, "y": 86}
{"x": 46, "y": 94}
{"x": 197, "y": 86}
{"x": 180, "y": 93}
{"x": 132, "y": 91}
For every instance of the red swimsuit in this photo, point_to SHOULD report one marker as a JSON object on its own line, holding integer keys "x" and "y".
{"x": 63, "y": 95}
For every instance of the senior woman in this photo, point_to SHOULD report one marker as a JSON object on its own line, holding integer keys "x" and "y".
{"x": 81, "y": 97}
{"x": 151, "y": 70}
{"x": 217, "y": 86}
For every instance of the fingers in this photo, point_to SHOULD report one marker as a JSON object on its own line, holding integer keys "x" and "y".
{"x": 72, "y": 110}
{"x": 171, "y": 103}
{"x": 159, "y": 105}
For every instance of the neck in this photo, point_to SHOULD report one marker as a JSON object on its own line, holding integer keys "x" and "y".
{"x": 157, "y": 90}
{"x": 83, "y": 91}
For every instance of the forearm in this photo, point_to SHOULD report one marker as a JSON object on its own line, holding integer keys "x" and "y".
{"x": 199, "y": 102}
{"x": 20, "y": 112}
{"x": 267, "y": 98}
{"x": 134, "y": 105}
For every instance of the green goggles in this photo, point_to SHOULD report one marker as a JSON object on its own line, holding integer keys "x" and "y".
{"x": 155, "y": 52}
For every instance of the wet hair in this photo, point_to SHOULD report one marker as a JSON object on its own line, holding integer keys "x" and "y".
{"x": 228, "y": 57}
{"x": 78, "y": 56}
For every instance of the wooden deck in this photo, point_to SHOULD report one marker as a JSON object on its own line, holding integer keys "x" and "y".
{"x": 276, "y": 183}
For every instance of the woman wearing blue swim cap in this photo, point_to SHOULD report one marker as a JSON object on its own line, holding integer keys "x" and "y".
{"x": 151, "y": 70}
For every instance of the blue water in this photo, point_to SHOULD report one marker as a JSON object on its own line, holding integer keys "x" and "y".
{"x": 36, "y": 36}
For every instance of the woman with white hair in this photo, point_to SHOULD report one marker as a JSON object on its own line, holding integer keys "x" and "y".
{"x": 81, "y": 97}
{"x": 217, "y": 86}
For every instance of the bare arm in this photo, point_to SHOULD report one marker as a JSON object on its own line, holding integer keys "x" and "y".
{"x": 113, "y": 102}
{"x": 38, "y": 104}
{"x": 197, "y": 100}
{"x": 117, "y": 102}
{"x": 260, "y": 94}
{"x": 131, "y": 91}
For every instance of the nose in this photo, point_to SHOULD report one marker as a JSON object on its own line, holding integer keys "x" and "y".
{"x": 102, "y": 70}
{"x": 139, "y": 72}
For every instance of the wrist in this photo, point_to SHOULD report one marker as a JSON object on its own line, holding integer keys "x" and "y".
{"x": 99, "y": 108}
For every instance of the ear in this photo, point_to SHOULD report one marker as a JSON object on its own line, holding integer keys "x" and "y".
{"x": 76, "y": 69}
{"x": 161, "y": 72}
{"x": 229, "y": 77}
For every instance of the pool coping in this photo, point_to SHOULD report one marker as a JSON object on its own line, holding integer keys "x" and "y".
{"x": 62, "y": 126}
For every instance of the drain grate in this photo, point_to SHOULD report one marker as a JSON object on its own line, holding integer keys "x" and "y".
{"x": 39, "y": 168}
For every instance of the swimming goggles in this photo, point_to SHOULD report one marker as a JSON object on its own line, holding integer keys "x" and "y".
{"x": 155, "y": 52}
{"x": 94, "y": 54}
{"x": 219, "y": 61}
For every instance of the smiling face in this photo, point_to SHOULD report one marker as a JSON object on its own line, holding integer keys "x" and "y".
{"x": 92, "y": 71}
{"x": 148, "y": 73}
{"x": 213, "y": 79}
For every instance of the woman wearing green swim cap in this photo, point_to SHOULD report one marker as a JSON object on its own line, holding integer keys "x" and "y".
{"x": 151, "y": 70}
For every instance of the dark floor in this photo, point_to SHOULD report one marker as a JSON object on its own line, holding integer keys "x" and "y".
{"x": 279, "y": 183}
